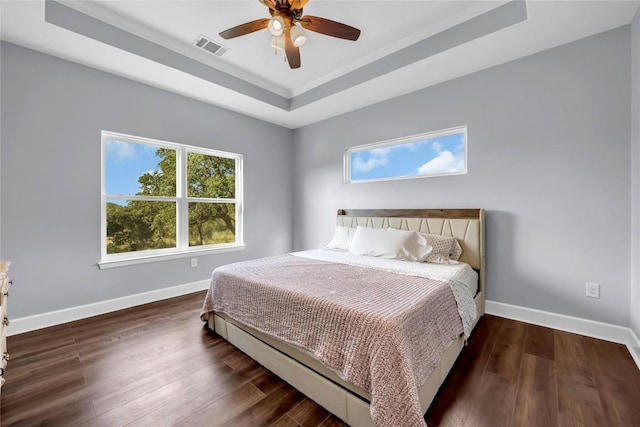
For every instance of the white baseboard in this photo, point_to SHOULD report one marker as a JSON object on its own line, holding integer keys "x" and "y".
{"x": 634, "y": 349}
{"x": 576, "y": 325}
{"x": 52, "y": 318}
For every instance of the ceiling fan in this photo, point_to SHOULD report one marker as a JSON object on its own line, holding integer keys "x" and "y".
{"x": 285, "y": 14}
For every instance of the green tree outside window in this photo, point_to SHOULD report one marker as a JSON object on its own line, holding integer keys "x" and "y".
{"x": 136, "y": 225}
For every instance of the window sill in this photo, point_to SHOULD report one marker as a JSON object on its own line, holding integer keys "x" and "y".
{"x": 133, "y": 260}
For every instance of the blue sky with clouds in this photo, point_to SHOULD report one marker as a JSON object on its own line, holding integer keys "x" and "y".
{"x": 125, "y": 162}
{"x": 431, "y": 156}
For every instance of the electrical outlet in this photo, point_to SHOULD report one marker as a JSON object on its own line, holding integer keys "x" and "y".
{"x": 593, "y": 290}
{"x": 194, "y": 262}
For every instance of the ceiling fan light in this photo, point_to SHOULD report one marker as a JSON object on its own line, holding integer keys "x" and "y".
{"x": 277, "y": 42}
{"x": 298, "y": 37}
{"x": 276, "y": 25}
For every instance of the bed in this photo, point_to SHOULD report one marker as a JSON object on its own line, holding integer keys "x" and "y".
{"x": 397, "y": 383}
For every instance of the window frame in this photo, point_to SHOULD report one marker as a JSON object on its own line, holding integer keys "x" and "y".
{"x": 182, "y": 249}
{"x": 348, "y": 152}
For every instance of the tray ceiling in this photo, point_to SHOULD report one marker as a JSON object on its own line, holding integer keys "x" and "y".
{"x": 404, "y": 46}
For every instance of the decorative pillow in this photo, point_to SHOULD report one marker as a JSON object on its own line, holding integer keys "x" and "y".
{"x": 446, "y": 249}
{"x": 390, "y": 243}
{"x": 342, "y": 238}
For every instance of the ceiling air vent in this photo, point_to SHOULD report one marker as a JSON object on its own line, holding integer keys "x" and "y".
{"x": 210, "y": 46}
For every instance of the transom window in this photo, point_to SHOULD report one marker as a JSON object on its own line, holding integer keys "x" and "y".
{"x": 162, "y": 198}
{"x": 428, "y": 154}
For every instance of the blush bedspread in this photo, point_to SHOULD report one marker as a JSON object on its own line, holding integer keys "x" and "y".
{"x": 382, "y": 331}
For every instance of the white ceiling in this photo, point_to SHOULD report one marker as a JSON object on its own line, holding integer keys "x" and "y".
{"x": 392, "y": 56}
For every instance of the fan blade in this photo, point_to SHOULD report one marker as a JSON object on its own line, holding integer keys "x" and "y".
{"x": 293, "y": 52}
{"x": 297, "y": 4}
{"x": 246, "y": 28}
{"x": 329, "y": 27}
{"x": 269, "y": 3}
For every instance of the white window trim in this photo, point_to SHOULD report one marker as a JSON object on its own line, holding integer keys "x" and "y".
{"x": 182, "y": 202}
{"x": 399, "y": 141}
{"x": 155, "y": 257}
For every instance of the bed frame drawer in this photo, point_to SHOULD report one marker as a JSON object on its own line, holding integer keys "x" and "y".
{"x": 316, "y": 387}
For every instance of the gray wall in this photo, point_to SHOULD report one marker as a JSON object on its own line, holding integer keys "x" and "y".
{"x": 548, "y": 158}
{"x": 52, "y": 115}
{"x": 1, "y": 148}
{"x": 635, "y": 168}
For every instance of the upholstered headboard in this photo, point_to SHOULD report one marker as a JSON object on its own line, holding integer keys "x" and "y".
{"x": 466, "y": 225}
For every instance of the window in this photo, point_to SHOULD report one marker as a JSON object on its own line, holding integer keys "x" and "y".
{"x": 429, "y": 154}
{"x": 162, "y": 199}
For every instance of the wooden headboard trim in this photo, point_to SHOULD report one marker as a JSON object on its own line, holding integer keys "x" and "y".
{"x": 413, "y": 213}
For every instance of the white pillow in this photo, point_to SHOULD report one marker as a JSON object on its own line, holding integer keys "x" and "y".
{"x": 390, "y": 243}
{"x": 342, "y": 238}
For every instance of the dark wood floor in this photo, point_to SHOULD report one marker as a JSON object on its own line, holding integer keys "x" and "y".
{"x": 156, "y": 365}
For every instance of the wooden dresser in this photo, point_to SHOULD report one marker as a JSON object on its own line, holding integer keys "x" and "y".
{"x": 5, "y": 282}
